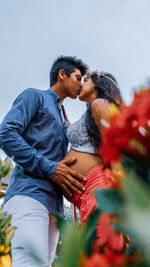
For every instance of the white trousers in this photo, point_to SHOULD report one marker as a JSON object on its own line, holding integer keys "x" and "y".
{"x": 36, "y": 232}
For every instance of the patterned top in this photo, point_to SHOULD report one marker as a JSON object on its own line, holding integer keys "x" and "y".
{"x": 78, "y": 136}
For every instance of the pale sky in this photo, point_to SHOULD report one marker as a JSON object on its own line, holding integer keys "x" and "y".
{"x": 110, "y": 35}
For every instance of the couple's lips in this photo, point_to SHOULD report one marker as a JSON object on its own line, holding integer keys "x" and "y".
{"x": 79, "y": 91}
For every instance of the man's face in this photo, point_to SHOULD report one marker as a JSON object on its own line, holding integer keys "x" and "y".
{"x": 73, "y": 84}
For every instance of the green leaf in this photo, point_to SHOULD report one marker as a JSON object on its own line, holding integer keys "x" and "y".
{"x": 2, "y": 194}
{"x": 135, "y": 216}
{"x": 9, "y": 235}
{"x": 3, "y": 187}
{"x": 109, "y": 200}
{"x": 5, "y": 222}
{"x": 137, "y": 163}
{"x": 89, "y": 231}
{"x": 136, "y": 192}
{"x": 60, "y": 222}
{"x": 71, "y": 246}
{"x": 138, "y": 146}
{"x": 5, "y": 167}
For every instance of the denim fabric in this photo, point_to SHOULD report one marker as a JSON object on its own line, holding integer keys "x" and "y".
{"x": 33, "y": 135}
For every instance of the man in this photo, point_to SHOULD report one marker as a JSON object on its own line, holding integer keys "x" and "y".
{"x": 33, "y": 133}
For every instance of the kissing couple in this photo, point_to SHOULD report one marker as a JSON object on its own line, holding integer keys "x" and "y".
{"x": 35, "y": 133}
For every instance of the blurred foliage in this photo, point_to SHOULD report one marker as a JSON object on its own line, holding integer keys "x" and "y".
{"x": 5, "y": 167}
{"x": 6, "y": 234}
{"x": 6, "y": 231}
{"x": 76, "y": 240}
{"x": 127, "y": 149}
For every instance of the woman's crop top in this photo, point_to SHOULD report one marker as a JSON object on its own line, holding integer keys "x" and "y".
{"x": 78, "y": 136}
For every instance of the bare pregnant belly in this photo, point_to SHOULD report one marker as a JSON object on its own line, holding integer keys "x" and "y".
{"x": 84, "y": 161}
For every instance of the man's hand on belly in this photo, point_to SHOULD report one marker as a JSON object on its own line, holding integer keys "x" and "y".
{"x": 69, "y": 180}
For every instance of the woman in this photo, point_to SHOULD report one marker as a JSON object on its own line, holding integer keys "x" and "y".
{"x": 98, "y": 90}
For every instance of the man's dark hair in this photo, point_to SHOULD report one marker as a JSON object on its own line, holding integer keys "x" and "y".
{"x": 68, "y": 64}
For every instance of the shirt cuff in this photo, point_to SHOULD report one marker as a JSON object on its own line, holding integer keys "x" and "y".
{"x": 49, "y": 168}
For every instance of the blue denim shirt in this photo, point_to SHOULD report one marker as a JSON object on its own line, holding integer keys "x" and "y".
{"x": 33, "y": 135}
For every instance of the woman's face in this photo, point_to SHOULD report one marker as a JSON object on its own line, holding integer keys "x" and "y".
{"x": 88, "y": 92}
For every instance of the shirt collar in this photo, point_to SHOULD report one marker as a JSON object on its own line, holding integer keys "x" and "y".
{"x": 55, "y": 96}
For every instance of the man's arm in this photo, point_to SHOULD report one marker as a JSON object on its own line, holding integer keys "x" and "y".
{"x": 12, "y": 142}
{"x": 14, "y": 145}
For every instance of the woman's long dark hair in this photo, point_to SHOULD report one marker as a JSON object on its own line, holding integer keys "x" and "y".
{"x": 107, "y": 89}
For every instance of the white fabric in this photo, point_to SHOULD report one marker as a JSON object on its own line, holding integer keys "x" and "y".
{"x": 36, "y": 232}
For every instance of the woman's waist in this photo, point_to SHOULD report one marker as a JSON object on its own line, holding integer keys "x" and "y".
{"x": 84, "y": 161}
{"x": 96, "y": 178}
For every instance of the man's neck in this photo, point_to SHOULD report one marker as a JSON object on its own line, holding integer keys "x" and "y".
{"x": 58, "y": 91}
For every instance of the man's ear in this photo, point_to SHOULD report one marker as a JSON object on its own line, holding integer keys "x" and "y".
{"x": 62, "y": 75}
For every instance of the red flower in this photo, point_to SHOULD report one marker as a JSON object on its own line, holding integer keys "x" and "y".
{"x": 102, "y": 74}
{"x": 95, "y": 260}
{"x": 130, "y": 130}
{"x": 116, "y": 258}
{"x": 107, "y": 234}
{"x": 108, "y": 258}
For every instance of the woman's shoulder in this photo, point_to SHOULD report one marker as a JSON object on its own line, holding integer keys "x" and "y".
{"x": 100, "y": 112}
{"x": 100, "y": 104}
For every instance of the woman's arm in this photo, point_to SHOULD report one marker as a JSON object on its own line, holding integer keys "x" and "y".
{"x": 100, "y": 111}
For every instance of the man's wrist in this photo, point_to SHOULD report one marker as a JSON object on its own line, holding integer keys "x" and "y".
{"x": 49, "y": 168}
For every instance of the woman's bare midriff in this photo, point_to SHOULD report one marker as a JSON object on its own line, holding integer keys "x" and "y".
{"x": 84, "y": 161}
